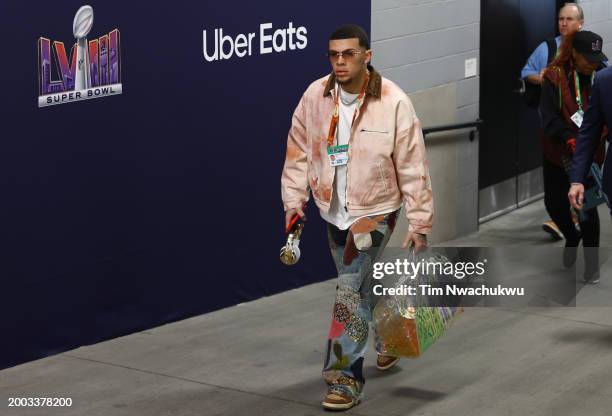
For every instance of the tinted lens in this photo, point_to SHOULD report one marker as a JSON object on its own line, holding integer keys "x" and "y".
{"x": 349, "y": 54}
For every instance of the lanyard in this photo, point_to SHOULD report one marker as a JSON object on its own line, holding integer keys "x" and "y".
{"x": 577, "y": 88}
{"x": 333, "y": 125}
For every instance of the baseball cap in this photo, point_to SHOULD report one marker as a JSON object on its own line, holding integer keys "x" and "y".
{"x": 589, "y": 44}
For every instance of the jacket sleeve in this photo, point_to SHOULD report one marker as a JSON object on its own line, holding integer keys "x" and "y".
{"x": 410, "y": 160}
{"x": 294, "y": 179}
{"x": 552, "y": 121}
{"x": 588, "y": 138}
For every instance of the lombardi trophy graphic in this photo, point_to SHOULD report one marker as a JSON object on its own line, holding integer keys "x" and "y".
{"x": 92, "y": 70}
{"x": 83, "y": 21}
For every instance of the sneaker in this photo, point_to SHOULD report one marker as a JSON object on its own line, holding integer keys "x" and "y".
{"x": 551, "y": 228}
{"x": 592, "y": 279}
{"x": 385, "y": 362}
{"x": 337, "y": 400}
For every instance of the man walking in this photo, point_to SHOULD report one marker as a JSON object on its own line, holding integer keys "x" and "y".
{"x": 356, "y": 144}
{"x": 597, "y": 116}
{"x": 571, "y": 20}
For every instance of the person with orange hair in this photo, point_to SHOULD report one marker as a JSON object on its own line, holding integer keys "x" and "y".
{"x": 565, "y": 97}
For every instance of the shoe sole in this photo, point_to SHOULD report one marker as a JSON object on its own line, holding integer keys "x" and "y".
{"x": 388, "y": 366}
{"x": 340, "y": 406}
{"x": 553, "y": 233}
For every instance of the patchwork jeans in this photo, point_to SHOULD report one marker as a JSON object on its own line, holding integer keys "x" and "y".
{"x": 354, "y": 251}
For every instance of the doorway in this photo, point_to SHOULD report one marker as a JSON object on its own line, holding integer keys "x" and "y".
{"x": 510, "y": 154}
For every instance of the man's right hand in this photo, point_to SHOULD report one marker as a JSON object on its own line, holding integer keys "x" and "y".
{"x": 291, "y": 212}
{"x": 576, "y": 195}
{"x": 536, "y": 79}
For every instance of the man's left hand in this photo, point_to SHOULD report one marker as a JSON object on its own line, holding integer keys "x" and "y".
{"x": 576, "y": 195}
{"x": 416, "y": 240}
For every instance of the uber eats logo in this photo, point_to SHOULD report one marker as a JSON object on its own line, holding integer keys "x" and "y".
{"x": 219, "y": 46}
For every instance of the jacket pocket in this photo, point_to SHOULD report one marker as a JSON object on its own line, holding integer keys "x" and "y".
{"x": 379, "y": 131}
{"x": 383, "y": 178}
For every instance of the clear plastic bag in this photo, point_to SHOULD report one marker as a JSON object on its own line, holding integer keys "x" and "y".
{"x": 407, "y": 325}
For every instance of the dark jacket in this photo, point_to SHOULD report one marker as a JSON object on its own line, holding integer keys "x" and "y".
{"x": 597, "y": 117}
{"x": 557, "y": 105}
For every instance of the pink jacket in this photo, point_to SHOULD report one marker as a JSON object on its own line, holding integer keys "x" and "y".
{"x": 387, "y": 160}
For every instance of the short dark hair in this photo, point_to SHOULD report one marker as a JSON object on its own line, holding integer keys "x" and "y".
{"x": 352, "y": 31}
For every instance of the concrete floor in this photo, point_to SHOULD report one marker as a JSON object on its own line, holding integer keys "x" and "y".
{"x": 524, "y": 227}
{"x": 265, "y": 357}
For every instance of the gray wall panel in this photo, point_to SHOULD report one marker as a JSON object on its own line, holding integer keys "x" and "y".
{"x": 467, "y": 160}
{"x": 598, "y": 17}
{"x": 417, "y": 48}
{"x": 600, "y": 11}
{"x": 467, "y": 204}
{"x": 468, "y": 113}
{"x": 603, "y": 29}
{"x": 428, "y": 74}
{"x": 393, "y": 4}
{"x": 422, "y": 45}
{"x": 387, "y": 24}
{"x": 467, "y": 91}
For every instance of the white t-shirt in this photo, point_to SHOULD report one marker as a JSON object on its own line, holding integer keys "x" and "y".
{"x": 338, "y": 214}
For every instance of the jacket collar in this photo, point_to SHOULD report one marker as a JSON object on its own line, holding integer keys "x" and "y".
{"x": 374, "y": 84}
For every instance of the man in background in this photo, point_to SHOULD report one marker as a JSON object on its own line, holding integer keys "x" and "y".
{"x": 597, "y": 116}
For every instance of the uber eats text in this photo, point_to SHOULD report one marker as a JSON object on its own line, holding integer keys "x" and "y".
{"x": 219, "y": 46}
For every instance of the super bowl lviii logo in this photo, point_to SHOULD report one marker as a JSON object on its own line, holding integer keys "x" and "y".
{"x": 93, "y": 70}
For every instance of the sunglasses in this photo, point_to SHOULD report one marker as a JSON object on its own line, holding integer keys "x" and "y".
{"x": 348, "y": 54}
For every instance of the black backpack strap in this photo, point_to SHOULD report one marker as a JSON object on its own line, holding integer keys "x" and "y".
{"x": 552, "y": 49}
